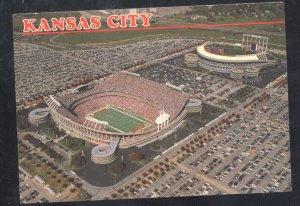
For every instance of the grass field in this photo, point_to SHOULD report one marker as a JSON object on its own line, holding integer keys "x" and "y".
{"x": 35, "y": 166}
{"x": 121, "y": 121}
{"x": 72, "y": 143}
{"x": 132, "y": 36}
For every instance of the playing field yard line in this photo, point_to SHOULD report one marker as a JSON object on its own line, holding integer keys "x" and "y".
{"x": 141, "y": 119}
{"x": 114, "y": 129}
{"x": 119, "y": 120}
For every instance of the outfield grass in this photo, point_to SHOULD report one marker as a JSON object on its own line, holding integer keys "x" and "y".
{"x": 119, "y": 120}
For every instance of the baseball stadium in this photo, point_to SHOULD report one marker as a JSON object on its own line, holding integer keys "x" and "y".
{"x": 124, "y": 110}
{"x": 227, "y": 58}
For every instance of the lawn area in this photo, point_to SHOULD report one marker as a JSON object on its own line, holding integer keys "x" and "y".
{"x": 48, "y": 132}
{"x": 22, "y": 150}
{"x": 119, "y": 120}
{"x": 76, "y": 195}
{"x": 104, "y": 37}
{"x": 72, "y": 143}
{"x": 52, "y": 177}
{"x": 132, "y": 36}
{"x": 53, "y": 132}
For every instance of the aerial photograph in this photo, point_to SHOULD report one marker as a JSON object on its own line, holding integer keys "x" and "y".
{"x": 195, "y": 103}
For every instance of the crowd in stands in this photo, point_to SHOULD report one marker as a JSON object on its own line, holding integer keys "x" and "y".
{"x": 135, "y": 94}
{"x": 129, "y": 104}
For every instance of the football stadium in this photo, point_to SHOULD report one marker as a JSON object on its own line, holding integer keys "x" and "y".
{"x": 124, "y": 109}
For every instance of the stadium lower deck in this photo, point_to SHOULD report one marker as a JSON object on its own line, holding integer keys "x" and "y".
{"x": 121, "y": 108}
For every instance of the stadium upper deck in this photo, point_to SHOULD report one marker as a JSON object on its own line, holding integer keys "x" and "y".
{"x": 137, "y": 96}
{"x": 129, "y": 87}
{"x": 246, "y": 58}
{"x": 223, "y": 63}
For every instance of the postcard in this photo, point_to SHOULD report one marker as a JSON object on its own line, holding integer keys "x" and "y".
{"x": 152, "y": 102}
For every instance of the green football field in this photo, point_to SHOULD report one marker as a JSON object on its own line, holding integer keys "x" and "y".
{"x": 120, "y": 121}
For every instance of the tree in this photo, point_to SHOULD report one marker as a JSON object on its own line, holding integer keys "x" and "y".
{"x": 49, "y": 164}
{"x": 78, "y": 184}
{"x": 132, "y": 190}
{"x": 71, "y": 179}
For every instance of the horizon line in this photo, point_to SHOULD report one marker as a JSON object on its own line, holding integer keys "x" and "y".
{"x": 195, "y": 26}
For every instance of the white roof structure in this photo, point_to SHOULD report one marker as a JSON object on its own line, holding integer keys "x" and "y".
{"x": 238, "y": 58}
